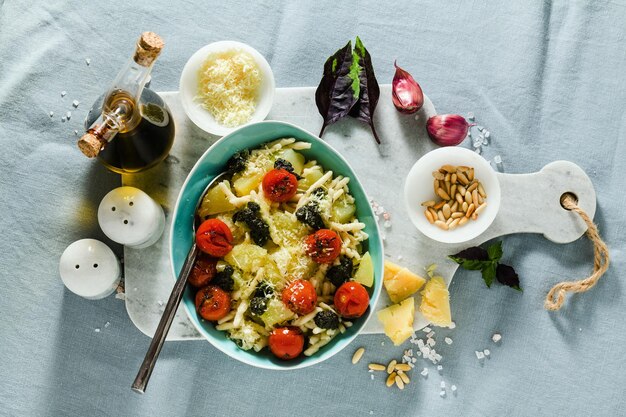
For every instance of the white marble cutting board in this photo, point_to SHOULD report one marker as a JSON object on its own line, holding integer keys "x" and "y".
{"x": 381, "y": 169}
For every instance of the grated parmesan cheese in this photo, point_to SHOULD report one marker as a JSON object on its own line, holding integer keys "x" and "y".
{"x": 228, "y": 83}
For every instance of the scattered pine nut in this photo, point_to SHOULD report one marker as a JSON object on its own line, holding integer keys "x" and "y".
{"x": 358, "y": 355}
{"x": 404, "y": 367}
{"x": 391, "y": 379}
{"x": 399, "y": 382}
{"x": 391, "y": 366}
{"x": 376, "y": 367}
{"x": 429, "y": 216}
{"x": 404, "y": 377}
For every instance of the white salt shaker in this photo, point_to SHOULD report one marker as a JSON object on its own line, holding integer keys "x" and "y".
{"x": 89, "y": 268}
{"x": 129, "y": 216}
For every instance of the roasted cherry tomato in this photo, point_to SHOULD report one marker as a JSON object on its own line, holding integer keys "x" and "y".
{"x": 203, "y": 271}
{"x": 286, "y": 342}
{"x": 212, "y": 303}
{"x": 214, "y": 237}
{"x": 280, "y": 185}
{"x": 300, "y": 297}
{"x": 324, "y": 246}
{"x": 351, "y": 300}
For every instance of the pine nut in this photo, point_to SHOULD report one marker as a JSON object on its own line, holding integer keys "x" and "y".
{"x": 429, "y": 216}
{"x": 376, "y": 367}
{"x": 448, "y": 186}
{"x": 474, "y": 216}
{"x": 441, "y": 225}
{"x": 481, "y": 191}
{"x": 441, "y": 193}
{"x": 464, "y": 206}
{"x": 440, "y": 216}
{"x": 435, "y": 186}
{"x": 459, "y": 198}
{"x": 475, "y": 198}
{"x": 462, "y": 178}
{"x": 450, "y": 220}
{"x": 404, "y": 367}
{"x": 454, "y": 206}
{"x": 454, "y": 224}
{"x": 404, "y": 377}
{"x": 453, "y": 178}
{"x": 470, "y": 174}
{"x": 480, "y": 208}
{"x": 391, "y": 366}
{"x": 472, "y": 187}
{"x": 449, "y": 168}
{"x": 456, "y": 215}
{"x": 428, "y": 203}
{"x": 463, "y": 221}
{"x": 438, "y": 175}
{"x": 446, "y": 211}
{"x": 439, "y": 205}
{"x": 358, "y": 355}
{"x": 446, "y": 178}
{"x": 453, "y": 189}
{"x": 399, "y": 382}
{"x": 391, "y": 379}
{"x": 470, "y": 210}
{"x": 462, "y": 189}
{"x": 433, "y": 212}
{"x": 468, "y": 197}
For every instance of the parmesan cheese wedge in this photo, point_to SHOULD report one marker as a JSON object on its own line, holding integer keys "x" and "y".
{"x": 435, "y": 304}
{"x": 400, "y": 283}
{"x": 398, "y": 320}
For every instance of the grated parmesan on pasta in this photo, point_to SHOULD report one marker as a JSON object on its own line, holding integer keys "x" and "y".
{"x": 228, "y": 84}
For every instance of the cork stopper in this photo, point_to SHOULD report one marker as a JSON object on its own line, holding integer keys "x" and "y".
{"x": 90, "y": 145}
{"x": 149, "y": 47}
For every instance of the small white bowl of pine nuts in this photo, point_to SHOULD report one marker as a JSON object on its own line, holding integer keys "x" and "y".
{"x": 452, "y": 194}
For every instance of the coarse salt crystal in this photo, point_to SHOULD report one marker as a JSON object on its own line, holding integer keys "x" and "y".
{"x": 439, "y": 368}
{"x": 431, "y": 334}
{"x": 430, "y": 342}
{"x": 372, "y": 377}
{"x": 68, "y": 115}
{"x": 496, "y": 337}
{"x": 107, "y": 324}
{"x": 400, "y": 257}
{"x": 63, "y": 119}
{"x": 453, "y": 388}
{"x": 487, "y": 352}
{"x": 120, "y": 296}
{"x": 160, "y": 302}
{"x": 480, "y": 355}
{"x": 448, "y": 340}
{"x": 87, "y": 61}
{"x": 75, "y": 103}
{"x": 452, "y": 325}
{"x": 427, "y": 329}
{"x": 425, "y": 350}
{"x": 420, "y": 343}
{"x": 387, "y": 224}
{"x": 97, "y": 330}
{"x": 424, "y": 372}
{"x": 413, "y": 360}
{"x": 76, "y": 132}
{"x": 51, "y": 113}
{"x": 442, "y": 384}
{"x": 63, "y": 93}
{"x": 438, "y": 357}
{"x": 442, "y": 394}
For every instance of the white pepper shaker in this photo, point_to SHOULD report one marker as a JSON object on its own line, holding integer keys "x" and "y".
{"x": 131, "y": 217}
{"x": 89, "y": 268}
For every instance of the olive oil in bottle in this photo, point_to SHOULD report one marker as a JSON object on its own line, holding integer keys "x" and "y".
{"x": 130, "y": 128}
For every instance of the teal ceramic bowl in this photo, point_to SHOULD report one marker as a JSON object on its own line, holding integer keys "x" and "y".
{"x": 211, "y": 164}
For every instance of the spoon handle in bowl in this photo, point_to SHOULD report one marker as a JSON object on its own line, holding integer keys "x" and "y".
{"x": 143, "y": 376}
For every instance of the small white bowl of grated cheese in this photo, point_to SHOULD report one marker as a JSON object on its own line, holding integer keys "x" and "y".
{"x": 226, "y": 85}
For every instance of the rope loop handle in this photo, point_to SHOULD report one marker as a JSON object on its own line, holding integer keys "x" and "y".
{"x": 556, "y": 296}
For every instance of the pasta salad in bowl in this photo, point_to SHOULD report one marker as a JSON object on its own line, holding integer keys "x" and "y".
{"x": 290, "y": 262}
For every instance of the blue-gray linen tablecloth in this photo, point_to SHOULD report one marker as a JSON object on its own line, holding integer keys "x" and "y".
{"x": 548, "y": 80}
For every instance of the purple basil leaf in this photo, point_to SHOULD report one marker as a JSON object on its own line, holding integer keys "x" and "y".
{"x": 474, "y": 253}
{"x": 506, "y": 275}
{"x": 339, "y": 88}
{"x": 370, "y": 92}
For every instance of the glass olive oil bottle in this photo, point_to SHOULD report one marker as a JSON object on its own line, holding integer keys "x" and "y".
{"x": 130, "y": 128}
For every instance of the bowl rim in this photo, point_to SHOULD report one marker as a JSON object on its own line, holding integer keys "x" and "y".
{"x": 378, "y": 269}
{"x": 459, "y": 235}
{"x": 267, "y": 98}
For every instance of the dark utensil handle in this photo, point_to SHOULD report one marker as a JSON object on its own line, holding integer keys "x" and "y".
{"x": 143, "y": 376}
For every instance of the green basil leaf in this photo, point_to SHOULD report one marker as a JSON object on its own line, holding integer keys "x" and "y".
{"x": 470, "y": 264}
{"x": 489, "y": 273}
{"x": 495, "y": 251}
{"x": 339, "y": 88}
{"x": 364, "y": 109}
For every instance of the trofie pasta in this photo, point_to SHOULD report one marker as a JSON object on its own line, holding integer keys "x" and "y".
{"x": 294, "y": 249}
